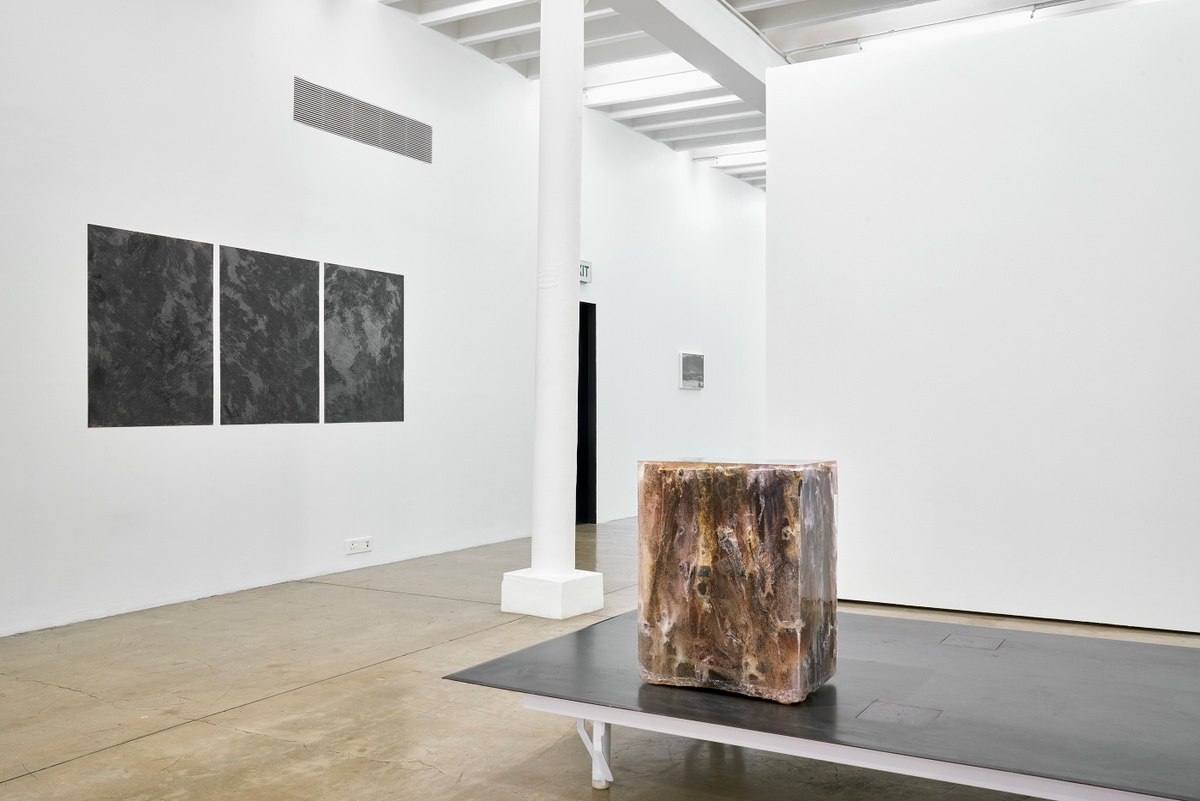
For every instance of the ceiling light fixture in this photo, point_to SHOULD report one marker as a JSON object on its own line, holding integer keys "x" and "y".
{"x": 711, "y": 151}
{"x": 646, "y": 88}
{"x": 926, "y": 34}
{"x": 737, "y": 159}
{"x": 1064, "y": 7}
{"x": 628, "y": 113}
{"x": 746, "y": 172}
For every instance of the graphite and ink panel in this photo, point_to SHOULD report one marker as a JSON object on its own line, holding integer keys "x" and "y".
{"x": 270, "y": 339}
{"x": 150, "y": 329}
{"x": 364, "y": 345}
{"x": 150, "y": 336}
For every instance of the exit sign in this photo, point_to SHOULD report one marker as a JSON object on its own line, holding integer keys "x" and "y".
{"x": 585, "y": 272}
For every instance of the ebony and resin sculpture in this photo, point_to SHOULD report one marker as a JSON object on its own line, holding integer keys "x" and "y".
{"x": 736, "y": 576}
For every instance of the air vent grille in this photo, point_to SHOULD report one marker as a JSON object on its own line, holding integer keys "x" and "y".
{"x": 345, "y": 116}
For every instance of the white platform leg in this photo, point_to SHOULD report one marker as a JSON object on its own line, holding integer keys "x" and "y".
{"x": 599, "y": 746}
{"x": 601, "y": 755}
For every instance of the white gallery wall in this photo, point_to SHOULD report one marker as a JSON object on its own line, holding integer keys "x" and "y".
{"x": 679, "y": 261}
{"x": 982, "y": 297}
{"x": 176, "y": 119}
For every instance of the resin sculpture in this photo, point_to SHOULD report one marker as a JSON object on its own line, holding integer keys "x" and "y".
{"x": 736, "y": 576}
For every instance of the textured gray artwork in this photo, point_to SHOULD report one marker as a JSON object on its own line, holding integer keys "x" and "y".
{"x": 364, "y": 346}
{"x": 150, "y": 330}
{"x": 270, "y": 346}
{"x": 691, "y": 371}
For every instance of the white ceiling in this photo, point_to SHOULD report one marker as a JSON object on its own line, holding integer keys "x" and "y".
{"x": 692, "y": 73}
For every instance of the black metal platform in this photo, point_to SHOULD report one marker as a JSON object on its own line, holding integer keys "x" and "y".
{"x": 1118, "y": 719}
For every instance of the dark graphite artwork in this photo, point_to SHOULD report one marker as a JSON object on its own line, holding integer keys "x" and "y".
{"x": 270, "y": 340}
{"x": 364, "y": 346}
{"x": 150, "y": 329}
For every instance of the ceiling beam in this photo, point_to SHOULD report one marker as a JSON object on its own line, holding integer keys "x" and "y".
{"x": 662, "y": 88}
{"x": 635, "y": 69}
{"x": 697, "y": 145}
{"x": 627, "y": 50}
{"x": 711, "y": 130}
{"x": 409, "y": 6}
{"x": 610, "y": 53}
{"x": 505, "y": 24}
{"x": 514, "y": 48}
{"x": 745, "y": 171}
{"x": 749, "y": 146}
{"x": 609, "y": 29}
{"x": 710, "y": 37}
{"x": 812, "y": 12}
{"x": 842, "y": 31}
{"x": 490, "y": 27}
{"x": 713, "y": 98}
{"x": 690, "y": 118}
{"x": 743, "y": 6}
{"x": 758, "y": 160}
{"x": 601, "y": 34}
{"x": 437, "y": 12}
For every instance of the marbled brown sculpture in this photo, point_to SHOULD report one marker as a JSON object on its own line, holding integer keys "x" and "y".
{"x": 736, "y": 576}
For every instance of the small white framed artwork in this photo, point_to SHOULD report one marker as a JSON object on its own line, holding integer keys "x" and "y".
{"x": 691, "y": 370}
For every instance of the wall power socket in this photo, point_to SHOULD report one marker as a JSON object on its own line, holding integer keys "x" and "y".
{"x": 358, "y": 545}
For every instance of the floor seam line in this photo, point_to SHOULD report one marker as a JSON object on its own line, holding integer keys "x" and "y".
{"x": 98, "y": 751}
{"x": 397, "y": 592}
{"x": 205, "y": 718}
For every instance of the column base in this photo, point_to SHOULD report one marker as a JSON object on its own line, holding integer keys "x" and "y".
{"x": 553, "y": 595}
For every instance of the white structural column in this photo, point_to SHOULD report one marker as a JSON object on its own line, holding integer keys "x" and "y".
{"x": 552, "y": 587}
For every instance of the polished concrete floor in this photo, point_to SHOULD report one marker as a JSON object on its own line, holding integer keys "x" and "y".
{"x": 331, "y": 688}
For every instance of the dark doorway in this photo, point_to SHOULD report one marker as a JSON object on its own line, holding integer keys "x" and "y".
{"x": 585, "y": 454}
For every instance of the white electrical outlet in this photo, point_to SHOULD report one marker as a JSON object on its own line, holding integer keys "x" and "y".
{"x": 359, "y": 545}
